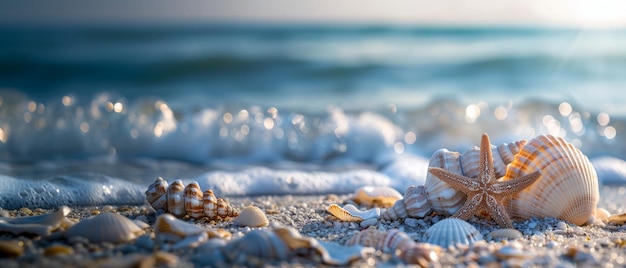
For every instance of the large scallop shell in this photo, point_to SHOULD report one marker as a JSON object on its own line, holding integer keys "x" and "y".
{"x": 105, "y": 227}
{"x": 452, "y": 231}
{"x": 380, "y": 196}
{"x": 567, "y": 188}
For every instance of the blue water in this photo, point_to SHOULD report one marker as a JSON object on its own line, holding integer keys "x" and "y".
{"x": 133, "y": 103}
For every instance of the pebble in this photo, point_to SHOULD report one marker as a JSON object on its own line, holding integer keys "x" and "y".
{"x": 11, "y": 248}
{"x": 561, "y": 225}
{"x": 411, "y": 222}
{"x": 368, "y": 222}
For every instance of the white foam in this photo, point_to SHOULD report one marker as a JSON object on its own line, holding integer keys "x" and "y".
{"x": 610, "y": 170}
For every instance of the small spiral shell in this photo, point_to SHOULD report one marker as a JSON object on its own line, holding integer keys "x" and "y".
{"x": 179, "y": 200}
{"x": 436, "y": 195}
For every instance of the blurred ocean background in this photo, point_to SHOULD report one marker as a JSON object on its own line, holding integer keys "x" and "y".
{"x": 94, "y": 114}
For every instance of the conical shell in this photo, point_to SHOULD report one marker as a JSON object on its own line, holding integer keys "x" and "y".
{"x": 156, "y": 195}
{"x": 105, "y": 227}
{"x": 193, "y": 200}
{"x": 176, "y": 198}
{"x": 251, "y": 216}
{"x": 414, "y": 204}
{"x": 451, "y": 231}
{"x": 444, "y": 199}
{"x": 379, "y": 196}
{"x": 567, "y": 188}
{"x": 389, "y": 241}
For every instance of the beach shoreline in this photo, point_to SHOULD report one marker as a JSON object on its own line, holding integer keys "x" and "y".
{"x": 545, "y": 242}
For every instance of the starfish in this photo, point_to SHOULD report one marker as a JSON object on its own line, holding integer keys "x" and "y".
{"x": 485, "y": 192}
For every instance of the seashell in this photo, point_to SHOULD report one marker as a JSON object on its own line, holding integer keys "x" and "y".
{"x": 331, "y": 253}
{"x": 351, "y": 213}
{"x": 176, "y": 198}
{"x": 169, "y": 228}
{"x": 396, "y": 242}
{"x": 10, "y": 249}
{"x": 41, "y": 225}
{"x": 617, "y": 219}
{"x": 567, "y": 188}
{"x": 436, "y": 195}
{"x": 156, "y": 194}
{"x": 452, "y": 231}
{"x": 261, "y": 243}
{"x": 111, "y": 227}
{"x": 379, "y": 196}
{"x": 179, "y": 200}
{"x": 251, "y": 216}
{"x": 505, "y": 234}
{"x": 602, "y": 214}
{"x": 58, "y": 249}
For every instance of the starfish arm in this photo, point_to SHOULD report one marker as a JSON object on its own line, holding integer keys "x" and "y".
{"x": 469, "y": 208}
{"x": 506, "y": 188}
{"x": 456, "y": 181}
{"x": 498, "y": 213}
{"x": 487, "y": 171}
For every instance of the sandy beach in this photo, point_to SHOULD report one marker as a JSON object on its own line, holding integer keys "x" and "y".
{"x": 545, "y": 242}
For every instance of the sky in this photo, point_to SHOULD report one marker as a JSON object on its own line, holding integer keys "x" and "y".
{"x": 576, "y": 13}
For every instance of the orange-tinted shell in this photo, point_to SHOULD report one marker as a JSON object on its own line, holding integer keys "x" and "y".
{"x": 567, "y": 188}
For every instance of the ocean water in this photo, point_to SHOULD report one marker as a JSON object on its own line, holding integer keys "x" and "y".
{"x": 91, "y": 115}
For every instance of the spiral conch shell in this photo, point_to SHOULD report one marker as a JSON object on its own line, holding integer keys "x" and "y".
{"x": 397, "y": 242}
{"x": 567, "y": 188}
{"x": 436, "y": 195}
{"x": 179, "y": 200}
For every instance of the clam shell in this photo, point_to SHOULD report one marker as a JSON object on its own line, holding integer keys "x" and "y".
{"x": 261, "y": 243}
{"x": 169, "y": 228}
{"x": 105, "y": 227}
{"x": 452, "y": 231}
{"x": 251, "y": 216}
{"x": 567, "y": 188}
{"x": 379, "y": 196}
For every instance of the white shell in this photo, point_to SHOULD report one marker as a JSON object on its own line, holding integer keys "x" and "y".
{"x": 105, "y": 227}
{"x": 567, "y": 188}
{"x": 505, "y": 234}
{"x": 351, "y": 213}
{"x": 380, "y": 196}
{"x": 437, "y": 195}
{"x": 452, "y": 231}
{"x": 251, "y": 216}
{"x": 41, "y": 225}
{"x": 169, "y": 228}
{"x": 261, "y": 243}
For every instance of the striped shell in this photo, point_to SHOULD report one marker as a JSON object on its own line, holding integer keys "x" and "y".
{"x": 437, "y": 195}
{"x": 106, "y": 227}
{"x": 396, "y": 242}
{"x": 179, "y": 200}
{"x": 452, "y": 231}
{"x": 567, "y": 188}
{"x": 379, "y": 196}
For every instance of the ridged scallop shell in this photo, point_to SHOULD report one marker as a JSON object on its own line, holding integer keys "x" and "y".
{"x": 179, "y": 200}
{"x": 351, "y": 213}
{"x": 452, "y": 231}
{"x": 106, "y": 227}
{"x": 379, "y": 196}
{"x": 396, "y": 242}
{"x": 567, "y": 188}
{"x": 251, "y": 216}
{"x": 436, "y": 195}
